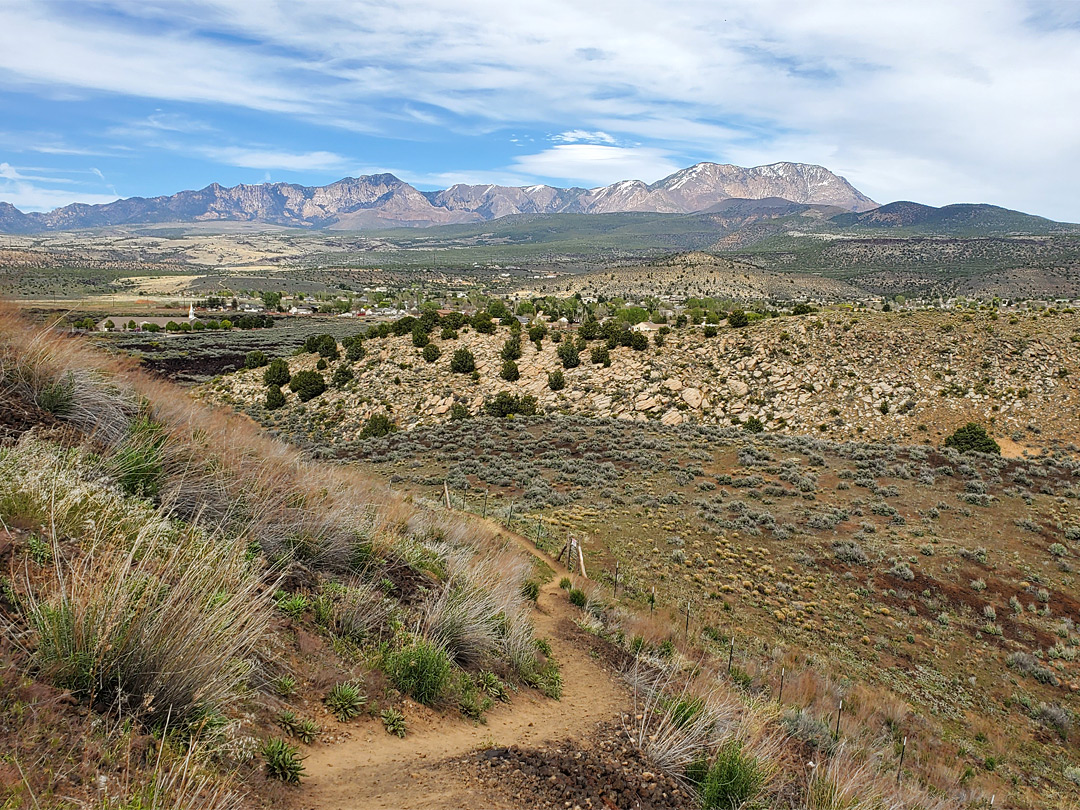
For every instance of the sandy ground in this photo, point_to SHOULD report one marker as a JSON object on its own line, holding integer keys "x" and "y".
{"x": 364, "y": 772}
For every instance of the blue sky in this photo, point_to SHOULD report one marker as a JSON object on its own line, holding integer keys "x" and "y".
{"x": 937, "y": 102}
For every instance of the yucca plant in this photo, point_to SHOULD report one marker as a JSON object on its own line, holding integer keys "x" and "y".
{"x": 489, "y": 684}
{"x": 283, "y": 761}
{"x": 394, "y": 721}
{"x": 284, "y": 685}
{"x": 293, "y": 605}
{"x": 345, "y": 700}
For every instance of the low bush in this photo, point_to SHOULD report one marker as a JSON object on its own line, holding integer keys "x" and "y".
{"x": 973, "y": 438}
{"x": 432, "y": 353}
{"x": 378, "y": 424}
{"x": 256, "y": 359}
{"x": 420, "y": 669}
{"x": 556, "y": 380}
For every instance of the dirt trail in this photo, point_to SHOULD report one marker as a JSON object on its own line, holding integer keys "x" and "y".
{"x": 375, "y": 770}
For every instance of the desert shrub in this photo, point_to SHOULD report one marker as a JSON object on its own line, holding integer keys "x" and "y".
{"x": 709, "y": 331}
{"x": 803, "y": 726}
{"x": 753, "y": 425}
{"x": 901, "y": 570}
{"x": 345, "y": 700}
{"x": 568, "y": 354}
{"x": 322, "y": 365}
{"x": 420, "y": 337}
{"x": 1030, "y": 665}
{"x": 735, "y": 778}
{"x": 973, "y": 438}
{"x": 432, "y": 353}
{"x": 577, "y": 597}
{"x": 510, "y": 371}
{"x": 639, "y": 342}
{"x": 459, "y": 411}
{"x": 328, "y": 348}
{"x": 421, "y": 669}
{"x": 1054, "y": 716}
{"x": 378, "y": 424}
{"x": 507, "y": 404}
{"x": 307, "y": 385}
{"x": 343, "y": 375}
{"x": 283, "y": 761}
{"x": 463, "y": 362}
{"x": 277, "y": 373}
{"x": 471, "y": 701}
{"x": 556, "y": 380}
{"x": 737, "y": 319}
{"x": 600, "y": 356}
{"x": 256, "y": 359}
{"x": 394, "y": 722}
{"x": 537, "y": 333}
{"x": 851, "y": 552}
{"x": 56, "y": 398}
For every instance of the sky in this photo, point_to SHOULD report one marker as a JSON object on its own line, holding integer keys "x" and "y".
{"x": 938, "y": 102}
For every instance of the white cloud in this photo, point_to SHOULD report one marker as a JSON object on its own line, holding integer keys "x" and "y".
{"x": 596, "y": 164}
{"x": 257, "y": 158}
{"x": 583, "y": 136}
{"x": 977, "y": 98}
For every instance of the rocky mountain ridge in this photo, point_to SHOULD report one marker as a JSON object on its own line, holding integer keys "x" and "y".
{"x": 383, "y": 200}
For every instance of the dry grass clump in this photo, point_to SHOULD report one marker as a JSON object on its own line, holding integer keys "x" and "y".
{"x": 162, "y": 629}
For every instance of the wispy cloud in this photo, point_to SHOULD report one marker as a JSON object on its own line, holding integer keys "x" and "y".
{"x": 597, "y": 164}
{"x": 38, "y": 192}
{"x": 259, "y": 158}
{"x": 974, "y": 96}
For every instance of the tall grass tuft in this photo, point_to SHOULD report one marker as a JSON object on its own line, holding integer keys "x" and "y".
{"x": 161, "y": 629}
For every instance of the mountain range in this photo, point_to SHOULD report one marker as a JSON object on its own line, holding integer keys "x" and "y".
{"x": 385, "y": 201}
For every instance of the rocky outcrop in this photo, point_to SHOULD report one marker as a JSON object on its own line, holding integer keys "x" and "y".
{"x": 838, "y": 375}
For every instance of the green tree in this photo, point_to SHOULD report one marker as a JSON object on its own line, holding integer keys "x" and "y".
{"x": 355, "y": 351}
{"x": 556, "y": 380}
{"x": 600, "y": 356}
{"x": 568, "y": 353}
{"x": 638, "y": 342}
{"x": 432, "y": 353}
{"x": 511, "y": 350}
{"x": 274, "y": 398}
{"x": 343, "y": 375}
{"x": 737, "y": 319}
{"x": 256, "y": 359}
{"x": 420, "y": 337}
{"x": 271, "y": 300}
{"x": 328, "y": 348}
{"x": 307, "y": 385}
{"x": 463, "y": 362}
{"x": 510, "y": 371}
{"x": 973, "y": 438}
{"x": 277, "y": 373}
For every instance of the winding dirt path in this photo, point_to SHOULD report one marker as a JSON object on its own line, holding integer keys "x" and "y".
{"x": 375, "y": 770}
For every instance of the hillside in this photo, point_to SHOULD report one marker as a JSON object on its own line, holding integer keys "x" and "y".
{"x": 837, "y": 374}
{"x": 357, "y": 635}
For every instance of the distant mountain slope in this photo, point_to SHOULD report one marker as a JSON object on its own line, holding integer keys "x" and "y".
{"x": 384, "y": 201}
{"x": 955, "y": 218}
